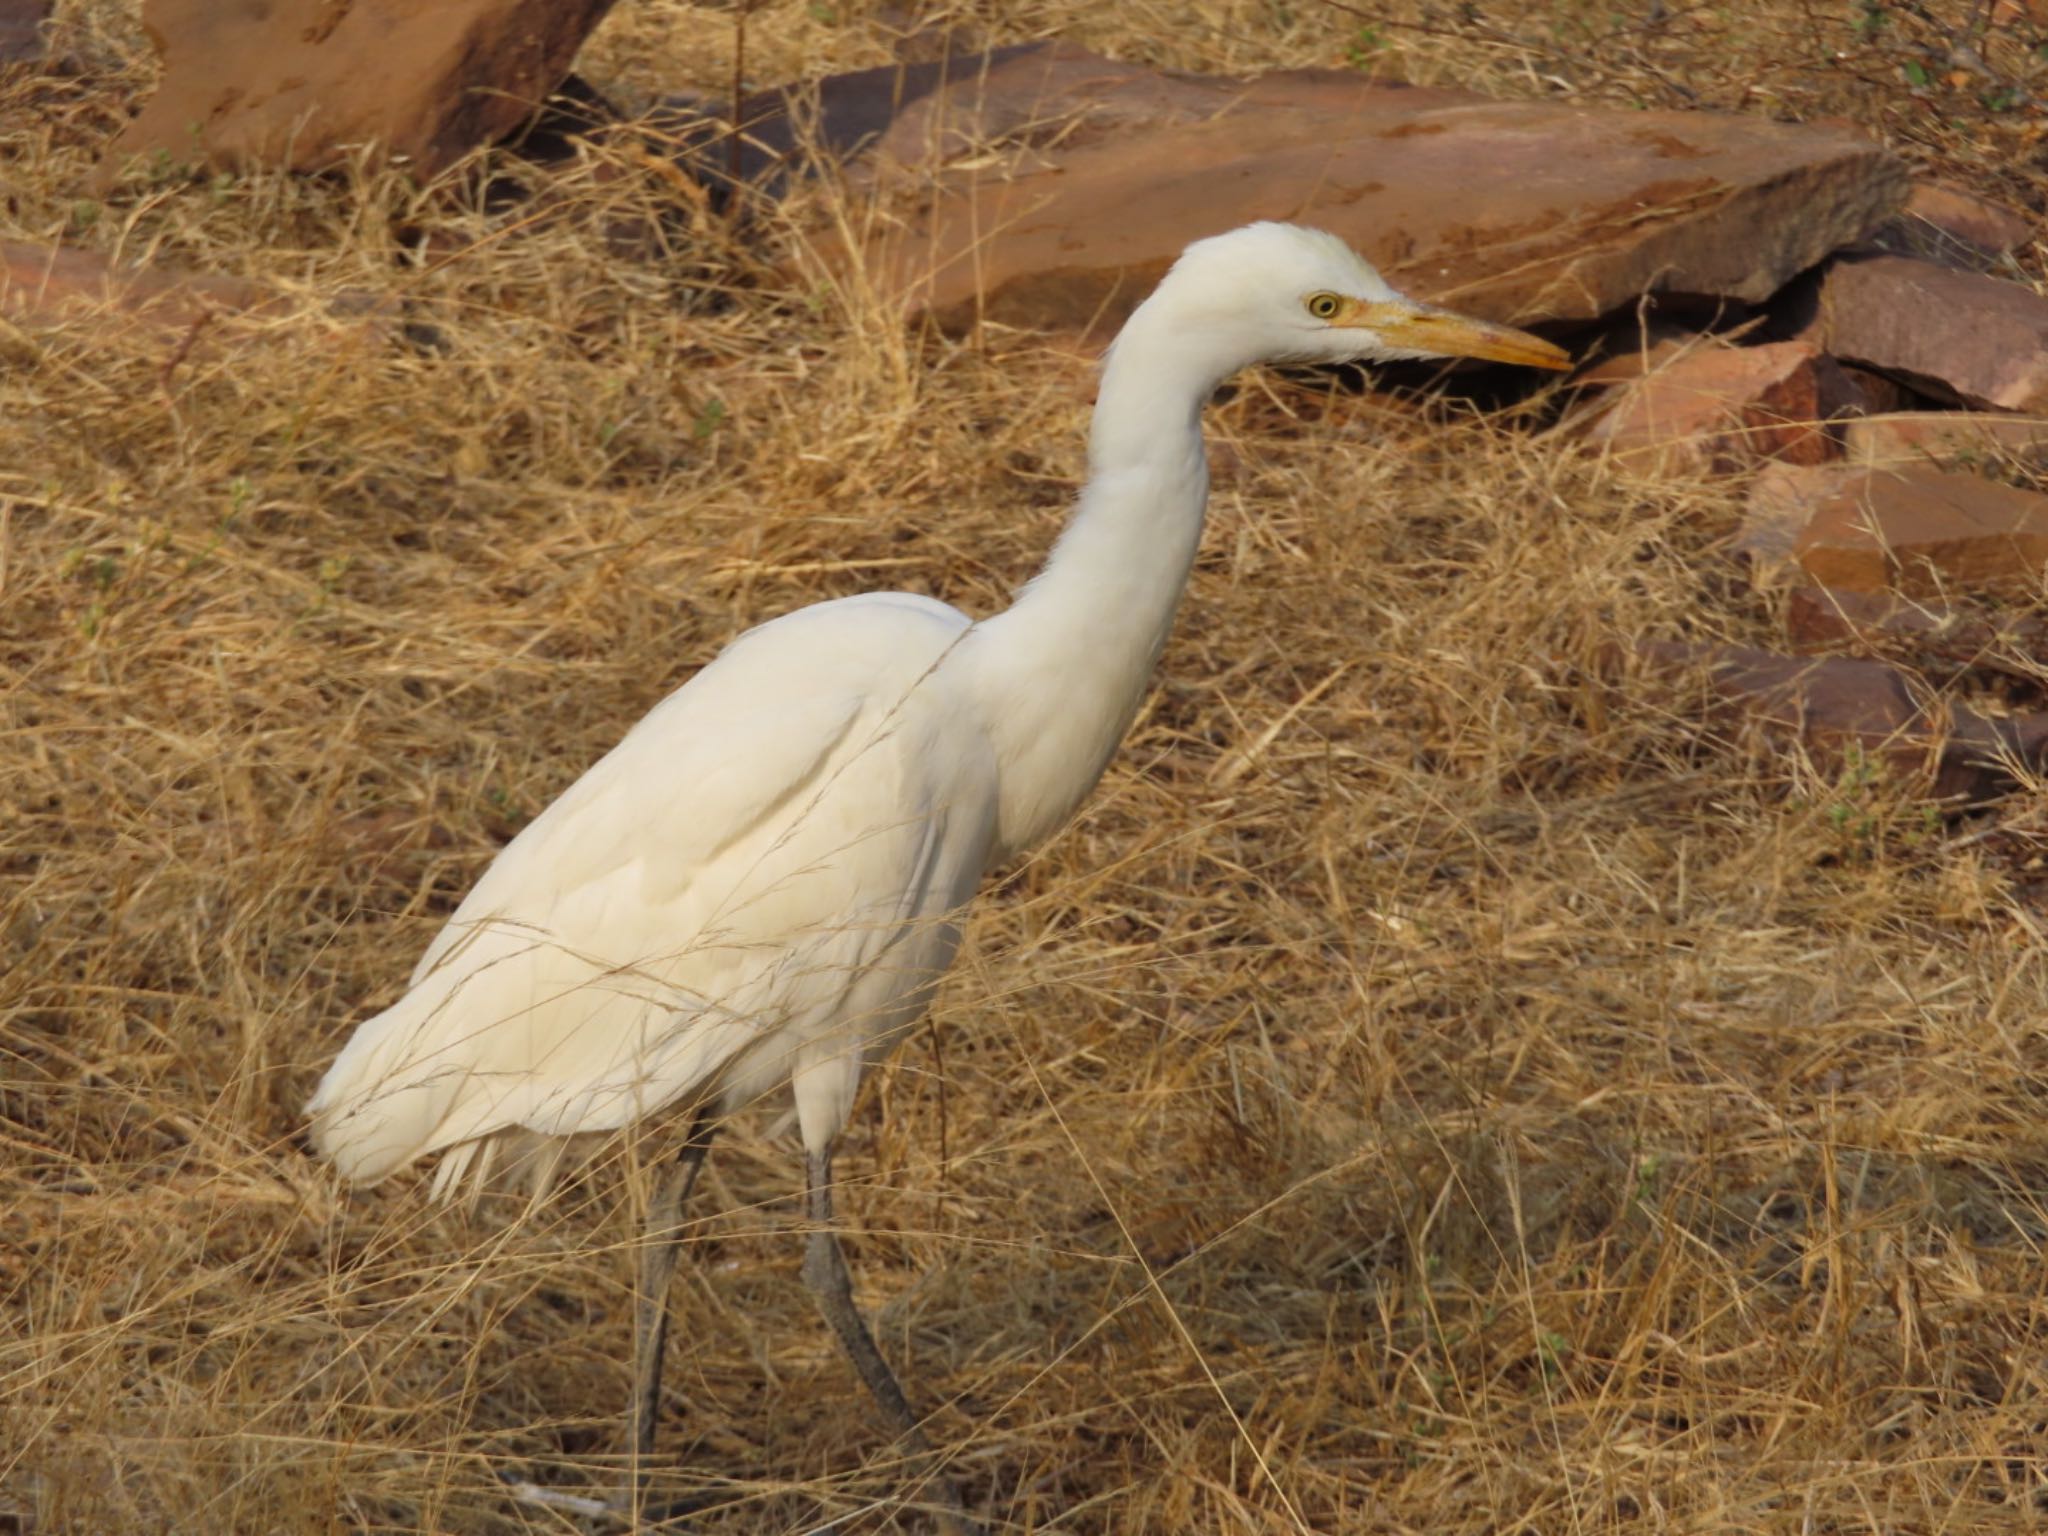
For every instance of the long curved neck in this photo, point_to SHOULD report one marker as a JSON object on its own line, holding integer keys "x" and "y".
{"x": 1067, "y": 664}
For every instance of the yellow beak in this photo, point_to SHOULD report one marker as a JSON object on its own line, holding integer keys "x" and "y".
{"x": 1443, "y": 334}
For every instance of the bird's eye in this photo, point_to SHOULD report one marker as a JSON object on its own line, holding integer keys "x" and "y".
{"x": 1323, "y": 306}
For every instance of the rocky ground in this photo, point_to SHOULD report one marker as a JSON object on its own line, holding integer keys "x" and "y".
{"x": 1541, "y": 1029}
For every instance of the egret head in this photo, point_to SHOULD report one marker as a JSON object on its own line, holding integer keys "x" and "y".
{"x": 1281, "y": 293}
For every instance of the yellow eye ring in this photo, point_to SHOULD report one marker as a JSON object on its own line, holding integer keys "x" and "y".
{"x": 1323, "y": 306}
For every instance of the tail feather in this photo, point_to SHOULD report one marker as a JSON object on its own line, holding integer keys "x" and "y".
{"x": 380, "y": 1104}
{"x": 512, "y": 1038}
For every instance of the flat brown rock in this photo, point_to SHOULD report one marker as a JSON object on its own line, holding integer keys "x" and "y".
{"x": 1966, "y": 217}
{"x": 44, "y": 284}
{"x": 1828, "y": 616}
{"x": 1919, "y": 437}
{"x": 47, "y": 286}
{"x": 303, "y": 84}
{"x": 1955, "y": 638}
{"x": 1962, "y": 336}
{"x": 1841, "y": 708}
{"x": 1715, "y": 407}
{"x": 1051, "y": 188}
{"x": 1916, "y": 530}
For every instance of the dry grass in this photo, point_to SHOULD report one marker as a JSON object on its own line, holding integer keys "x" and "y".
{"x": 1518, "y": 1108}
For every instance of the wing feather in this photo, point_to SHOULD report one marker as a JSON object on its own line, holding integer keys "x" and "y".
{"x": 737, "y": 860}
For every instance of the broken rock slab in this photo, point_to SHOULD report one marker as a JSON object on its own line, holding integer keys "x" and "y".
{"x": 44, "y": 284}
{"x": 1954, "y": 638}
{"x": 306, "y": 84}
{"x": 1961, "y": 336}
{"x": 1831, "y": 616}
{"x": 1963, "y": 216}
{"x": 1845, "y": 708}
{"x": 1915, "y": 530}
{"x": 1944, "y": 437}
{"x": 1953, "y": 228}
{"x": 1715, "y": 408}
{"x": 1921, "y": 531}
{"x": 1052, "y": 187}
{"x": 864, "y": 115}
{"x": 47, "y": 286}
{"x": 1781, "y": 501}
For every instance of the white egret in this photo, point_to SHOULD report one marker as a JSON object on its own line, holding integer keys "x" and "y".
{"x": 759, "y": 886}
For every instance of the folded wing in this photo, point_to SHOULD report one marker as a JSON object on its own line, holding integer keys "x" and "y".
{"x": 747, "y": 869}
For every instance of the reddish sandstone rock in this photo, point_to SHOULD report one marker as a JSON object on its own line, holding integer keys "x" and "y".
{"x": 1920, "y": 531}
{"x": 46, "y": 286}
{"x": 1954, "y": 228}
{"x": 1655, "y": 347}
{"x": 1782, "y": 500}
{"x": 1713, "y": 407}
{"x": 865, "y": 119}
{"x": 1966, "y": 217}
{"x": 1841, "y": 708}
{"x": 1918, "y": 437}
{"x": 42, "y": 284}
{"x": 1916, "y": 530}
{"x": 1931, "y": 634}
{"x": 304, "y": 83}
{"x": 1051, "y": 188}
{"x": 1881, "y": 393}
{"x": 1963, "y": 336}
{"x": 1829, "y": 616}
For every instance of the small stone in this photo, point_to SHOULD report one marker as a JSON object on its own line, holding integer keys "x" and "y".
{"x": 1960, "y": 336}
{"x": 304, "y": 84}
{"x": 1716, "y": 408}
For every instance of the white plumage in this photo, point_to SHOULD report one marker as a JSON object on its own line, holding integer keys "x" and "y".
{"x": 754, "y": 887}
{"x": 759, "y": 885}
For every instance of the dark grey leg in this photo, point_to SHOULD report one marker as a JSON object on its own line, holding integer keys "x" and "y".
{"x": 659, "y": 1249}
{"x": 832, "y": 1288}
